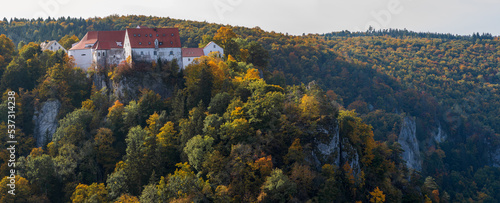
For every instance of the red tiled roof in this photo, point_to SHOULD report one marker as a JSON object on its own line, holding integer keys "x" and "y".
{"x": 192, "y": 52}
{"x": 89, "y": 38}
{"x": 110, "y": 40}
{"x": 101, "y": 40}
{"x": 145, "y": 37}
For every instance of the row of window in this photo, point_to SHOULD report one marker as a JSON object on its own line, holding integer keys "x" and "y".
{"x": 161, "y": 43}
{"x": 151, "y": 35}
{"x": 156, "y": 53}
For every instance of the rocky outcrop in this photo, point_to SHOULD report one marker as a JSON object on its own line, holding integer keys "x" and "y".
{"x": 332, "y": 149}
{"x": 328, "y": 150}
{"x": 128, "y": 88}
{"x": 409, "y": 143}
{"x": 495, "y": 158}
{"x": 100, "y": 81}
{"x": 439, "y": 135}
{"x": 45, "y": 120}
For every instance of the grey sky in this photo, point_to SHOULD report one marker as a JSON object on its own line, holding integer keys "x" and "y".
{"x": 292, "y": 16}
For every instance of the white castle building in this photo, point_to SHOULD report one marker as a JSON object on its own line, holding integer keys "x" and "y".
{"x": 102, "y": 48}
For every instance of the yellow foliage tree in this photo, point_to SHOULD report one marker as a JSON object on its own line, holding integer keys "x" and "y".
{"x": 309, "y": 106}
{"x": 377, "y": 196}
{"x": 22, "y": 190}
{"x": 126, "y": 198}
{"x": 167, "y": 135}
{"x": 84, "y": 193}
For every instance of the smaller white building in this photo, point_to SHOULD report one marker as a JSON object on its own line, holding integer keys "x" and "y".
{"x": 51, "y": 46}
{"x": 213, "y": 47}
{"x": 189, "y": 54}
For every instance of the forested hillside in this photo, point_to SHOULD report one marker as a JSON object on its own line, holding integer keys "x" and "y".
{"x": 332, "y": 119}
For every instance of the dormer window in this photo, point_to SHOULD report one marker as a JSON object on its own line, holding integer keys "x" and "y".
{"x": 161, "y": 43}
{"x": 149, "y": 43}
{"x": 135, "y": 35}
{"x": 150, "y": 35}
{"x": 140, "y": 43}
{"x": 172, "y": 34}
{"x": 157, "y": 35}
{"x": 164, "y": 35}
{"x": 171, "y": 42}
{"x": 139, "y": 35}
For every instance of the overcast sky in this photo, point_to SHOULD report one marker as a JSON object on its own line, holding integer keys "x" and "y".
{"x": 292, "y": 16}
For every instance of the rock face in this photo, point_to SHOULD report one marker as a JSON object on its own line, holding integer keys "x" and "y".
{"x": 495, "y": 158}
{"x": 127, "y": 88}
{"x": 409, "y": 143}
{"x": 328, "y": 151}
{"x": 440, "y": 135}
{"x": 332, "y": 149}
{"x": 45, "y": 121}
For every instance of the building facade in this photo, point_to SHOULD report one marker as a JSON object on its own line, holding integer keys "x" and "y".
{"x": 104, "y": 48}
{"x": 189, "y": 54}
{"x": 51, "y": 46}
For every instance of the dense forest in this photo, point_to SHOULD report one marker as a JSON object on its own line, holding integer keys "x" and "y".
{"x": 279, "y": 118}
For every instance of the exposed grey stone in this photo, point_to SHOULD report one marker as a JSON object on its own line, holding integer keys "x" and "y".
{"x": 45, "y": 121}
{"x": 409, "y": 143}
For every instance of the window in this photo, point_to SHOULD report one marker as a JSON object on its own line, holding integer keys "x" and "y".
{"x": 171, "y": 42}
{"x": 157, "y": 35}
{"x": 135, "y": 35}
{"x": 142, "y": 53}
{"x": 150, "y": 35}
{"x": 171, "y": 52}
{"x": 164, "y": 35}
{"x": 155, "y": 53}
{"x": 84, "y": 54}
{"x": 103, "y": 53}
{"x": 139, "y": 35}
{"x": 149, "y": 43}
{"x": 99, "y": 54}
{"x": 214, "y": 45}
{"x": 172, "y": 34}
{"x": 161, "y": 43}
{"x": 189, "y": 59}
{"x": 140, "y": 42}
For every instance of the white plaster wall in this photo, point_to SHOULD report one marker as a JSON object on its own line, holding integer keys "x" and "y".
{"x": 55, "y": 47}
{"x": 186, "y": 61}
{"x": 115, "y": 56}
{"x": 212, "y": 47}
{"x": 126, "y": 46}
{"x": 84, "y": 62}
{"x": 147, "y": 54}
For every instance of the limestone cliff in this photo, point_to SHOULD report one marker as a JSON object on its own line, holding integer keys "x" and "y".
{"x": 128, "y": 88}
{"x": 409, "y": 143}
{"x": 332, "y": 149}
{"x": 45, "y": 120}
